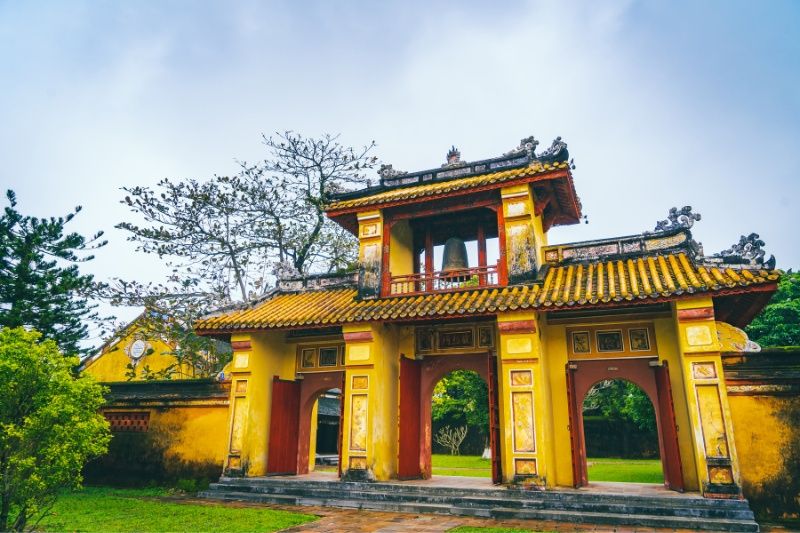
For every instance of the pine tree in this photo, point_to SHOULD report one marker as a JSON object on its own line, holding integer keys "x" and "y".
{"x": 41, "y": 286}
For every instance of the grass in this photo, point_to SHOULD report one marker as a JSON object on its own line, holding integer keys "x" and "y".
{"x": 460, "y": 465}
{"x": 600, "y": 469}
{"x": 630, "y": 470}
{"x": 100, "y": 509}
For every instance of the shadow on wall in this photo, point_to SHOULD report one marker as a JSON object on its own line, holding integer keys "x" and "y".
{"x": 137, "y": 459}
{"x": 779, "y": 496}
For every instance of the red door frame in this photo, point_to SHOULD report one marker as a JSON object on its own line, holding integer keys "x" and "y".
{"x": 673, "y": 471}
{"x": 494, "y": 418}
{"x": 584, "y": 374}
{"x": 432, "y": 370}
{"x": 408, "y": 460}
{"x": 312, "y": 386}
{"x": 283, "y": 427}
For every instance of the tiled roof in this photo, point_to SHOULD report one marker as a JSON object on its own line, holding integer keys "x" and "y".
{"x": 619, "y": 282}
{"x": 447, "y": 187}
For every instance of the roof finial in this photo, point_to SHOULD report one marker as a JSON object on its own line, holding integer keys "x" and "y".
{"x": 453, "y": 156}
{"x": 678, "y": 218}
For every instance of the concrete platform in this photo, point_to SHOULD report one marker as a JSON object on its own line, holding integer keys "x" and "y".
{"x": 616, "y": 504}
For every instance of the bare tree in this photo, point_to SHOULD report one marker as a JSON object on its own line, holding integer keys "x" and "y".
{"x": 451, "y": 438}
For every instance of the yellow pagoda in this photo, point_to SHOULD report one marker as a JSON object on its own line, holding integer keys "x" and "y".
{"x": 456, "y": 272}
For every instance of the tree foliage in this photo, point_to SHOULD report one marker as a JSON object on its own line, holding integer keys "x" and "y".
{"x": 41, "y": 286}
{"x": 49, "y": 426}
{"x": 462, "y": 397}
{"x": 778, "y": 324}
{"x": 621, "y": 400}
{"x": 233, "y": 233}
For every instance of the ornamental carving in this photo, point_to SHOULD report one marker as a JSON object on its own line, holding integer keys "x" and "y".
{"x": 454, "y": 158}
{"x": 556, "y": 152}
{"x": 526, "y": 146}
{"x": 748, "y": 251}
{"x": 388, "y": 172}
{"x": 683, "y": 218}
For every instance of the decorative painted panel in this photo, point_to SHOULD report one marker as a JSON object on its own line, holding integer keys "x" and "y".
{"x": 320, "y": 358}
{"x": 464, "y": 338}
{"x": 704, "y": 370}
{"x": 521, "y": 378}
{"x": 712, "y": 421}
{"x": 358, "y": 422}
{"x": 618, "y": 340}
{"x": 522, "y": 407}
{"x": 360, "y": 382}
{"x": 239, "y": 421}
{"x": 525, "y": 467}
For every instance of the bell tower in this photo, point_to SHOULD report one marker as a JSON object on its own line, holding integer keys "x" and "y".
{"x": 462, "y": 226}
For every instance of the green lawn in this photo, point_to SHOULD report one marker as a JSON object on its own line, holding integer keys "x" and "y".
{"x": 630, "y": 470}
{"x": 143, "y": 510}
{"x": 461, "y": 465}
{"x": 600, "y": 469}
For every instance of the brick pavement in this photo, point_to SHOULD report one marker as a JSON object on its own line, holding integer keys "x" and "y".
{"x": 334, "y": 520}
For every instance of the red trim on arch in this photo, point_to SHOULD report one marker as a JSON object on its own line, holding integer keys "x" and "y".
{"x": 240, "y": 345}
{"x": 702, "y": 313}
{"x": 358, "y": 336}
{"x": 518, "y": 326}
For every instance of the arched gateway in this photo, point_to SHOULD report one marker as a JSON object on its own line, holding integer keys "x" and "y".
{"x": 455, "y": 272}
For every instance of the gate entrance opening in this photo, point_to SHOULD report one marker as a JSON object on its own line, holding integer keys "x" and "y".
{"x": 619, "y": 424}
{"x": 653, "y": 379}
{"x": 294, "y": 405}
{"x": 418, "y": 379}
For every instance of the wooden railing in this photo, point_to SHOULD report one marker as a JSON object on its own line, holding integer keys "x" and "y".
{"x": 467, "y": 278}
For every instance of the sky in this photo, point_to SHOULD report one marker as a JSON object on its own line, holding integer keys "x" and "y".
{"x": 662, "y": 103}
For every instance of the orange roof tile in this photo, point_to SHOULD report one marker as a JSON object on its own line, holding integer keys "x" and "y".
{"x": 567, "y": 286}
{"x": 445, "y": 187}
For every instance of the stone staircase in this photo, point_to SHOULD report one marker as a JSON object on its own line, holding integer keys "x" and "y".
{"x": 613, "y": 509}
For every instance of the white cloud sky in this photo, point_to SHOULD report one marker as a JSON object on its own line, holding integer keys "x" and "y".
{"x": 662, "y": 103}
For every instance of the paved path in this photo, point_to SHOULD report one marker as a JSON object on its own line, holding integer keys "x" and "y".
{"x": 334, "y": 520}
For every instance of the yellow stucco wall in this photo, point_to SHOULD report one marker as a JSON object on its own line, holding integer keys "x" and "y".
{"x": 760, "y": 436}
{"x": 112, "y": 363}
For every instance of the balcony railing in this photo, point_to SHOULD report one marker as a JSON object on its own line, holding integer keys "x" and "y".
{"x": 467, "y": 278}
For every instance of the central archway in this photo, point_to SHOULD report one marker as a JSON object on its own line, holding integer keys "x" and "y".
{"x": 418, "y": 378}
{"x": 652, "y": 378}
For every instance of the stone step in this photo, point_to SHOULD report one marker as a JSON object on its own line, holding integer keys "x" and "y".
{"x": 561, "y": 495}
{"x": 497, "y": 499}
{"x": 493, "y": 511}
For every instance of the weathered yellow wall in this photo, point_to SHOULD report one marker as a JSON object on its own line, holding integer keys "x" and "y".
{"x": 401, "y": 257}
{"x": 760, "y": 436}
{"x": 312, "y": 445}
{"x": 699, "y": 345}
{"x": 372, "y": 370}
{"x": 112, "y": 364}
{"x": 267, "y": 356}
{"x": 523, "y": 403}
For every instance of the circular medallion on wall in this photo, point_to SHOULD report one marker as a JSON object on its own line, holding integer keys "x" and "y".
{"x": 137, "y": 349}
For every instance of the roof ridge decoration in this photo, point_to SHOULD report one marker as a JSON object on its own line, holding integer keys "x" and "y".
{"x": 748, "y": 252}
{"x": 683, "y": 218}
{"x": 677, "y": 239}
{"x": 521, "y": 156}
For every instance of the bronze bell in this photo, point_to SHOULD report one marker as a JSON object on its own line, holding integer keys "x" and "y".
{"x": 454, "y": 259}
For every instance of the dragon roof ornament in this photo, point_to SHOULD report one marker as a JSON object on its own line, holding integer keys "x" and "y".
{"x": 678, "y": 218}
{"x": 748, "y": 251}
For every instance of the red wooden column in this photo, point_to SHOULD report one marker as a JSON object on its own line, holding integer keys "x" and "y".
{"x": 673, "y": 474}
